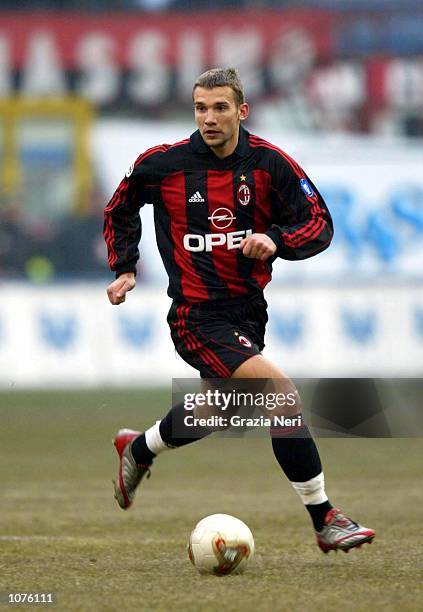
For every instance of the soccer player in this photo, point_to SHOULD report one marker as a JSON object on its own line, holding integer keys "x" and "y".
{"x": 226, "y": 205}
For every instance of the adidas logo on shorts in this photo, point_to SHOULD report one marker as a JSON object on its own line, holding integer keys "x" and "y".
{"x": 196, "y": 197}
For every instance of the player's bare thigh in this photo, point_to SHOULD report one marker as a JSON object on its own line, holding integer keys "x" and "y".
{"x": 274, "y": 381}
{"x": 270, "y": 379}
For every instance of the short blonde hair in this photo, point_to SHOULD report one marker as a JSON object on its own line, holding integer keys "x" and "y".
{"x": 222, "y": 77}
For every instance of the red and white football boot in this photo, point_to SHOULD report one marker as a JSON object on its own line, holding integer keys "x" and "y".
{"x": 130, "y": 473}
{"x": 341, "y": 533}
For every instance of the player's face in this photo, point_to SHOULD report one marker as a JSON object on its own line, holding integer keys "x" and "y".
{"x": 218, "y": 117}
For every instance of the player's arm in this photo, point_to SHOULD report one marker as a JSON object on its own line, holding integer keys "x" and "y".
{"x": 302, "y": 223}
{"x": 122, "y": 233}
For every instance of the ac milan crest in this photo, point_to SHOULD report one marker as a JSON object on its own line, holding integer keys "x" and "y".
{"x": 244, "y": 341}
{"x": 244, "y": 194}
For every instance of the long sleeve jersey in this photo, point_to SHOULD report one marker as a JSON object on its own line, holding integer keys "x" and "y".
{"x": 204, "y": 206}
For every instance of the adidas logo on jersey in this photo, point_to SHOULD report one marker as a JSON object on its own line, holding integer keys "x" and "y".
{"x": 196, "y": 197}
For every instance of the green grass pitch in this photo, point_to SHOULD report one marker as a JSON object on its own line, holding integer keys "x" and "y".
{"x": 61, "y": 530}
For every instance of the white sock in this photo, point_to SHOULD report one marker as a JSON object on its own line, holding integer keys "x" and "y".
{"x": 312, "y": 491}
{"x": 154, "y": 440}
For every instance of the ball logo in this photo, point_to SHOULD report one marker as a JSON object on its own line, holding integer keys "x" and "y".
{"x": 222, "y": 218}
{"x": 130, "y": 170}
{"x": 229, "y": 555}
{"x": 244, "y": 194}
{"x": 244, "y": 341}
{"x": 306, "y": 187}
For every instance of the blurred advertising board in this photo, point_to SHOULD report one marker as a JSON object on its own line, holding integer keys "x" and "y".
{"x": 64, "y": 336}
{"x": 333, "y": 69}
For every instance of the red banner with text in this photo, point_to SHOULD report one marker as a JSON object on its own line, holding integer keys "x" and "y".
{"x": 151, "y": 60}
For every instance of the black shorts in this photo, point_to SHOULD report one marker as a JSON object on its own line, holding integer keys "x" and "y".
{"x": 217, "y": 340}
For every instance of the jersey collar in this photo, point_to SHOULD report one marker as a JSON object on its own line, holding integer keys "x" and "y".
{"x": 199, "y": 146}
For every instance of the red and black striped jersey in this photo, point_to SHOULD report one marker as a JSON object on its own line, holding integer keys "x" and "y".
{"x": 204, "y": 206}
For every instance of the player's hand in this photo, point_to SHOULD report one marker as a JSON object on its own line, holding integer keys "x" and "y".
{"x": 258, "y": 246}
{"x": 117, "y": 290}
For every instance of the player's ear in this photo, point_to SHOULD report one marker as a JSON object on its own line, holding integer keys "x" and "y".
{"x": 244, "y": 110}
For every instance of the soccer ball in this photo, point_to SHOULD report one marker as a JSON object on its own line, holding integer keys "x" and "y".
{"x": 220, "y": 544}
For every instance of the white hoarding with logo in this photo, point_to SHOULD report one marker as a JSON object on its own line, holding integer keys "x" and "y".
{"x": 71, "y": 335}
